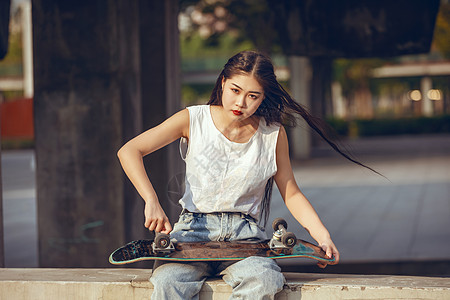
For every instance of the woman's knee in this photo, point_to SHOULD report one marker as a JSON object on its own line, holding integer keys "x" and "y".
{"x": 179, "y": 272}
{"x": 264, "y": 274}
{"x": 268, "y": 273}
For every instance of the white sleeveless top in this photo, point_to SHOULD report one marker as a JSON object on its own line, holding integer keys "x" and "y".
{"x": 225, "y": 176}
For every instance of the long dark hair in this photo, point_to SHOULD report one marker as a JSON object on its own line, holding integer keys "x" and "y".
{"x": 278, "y": 107}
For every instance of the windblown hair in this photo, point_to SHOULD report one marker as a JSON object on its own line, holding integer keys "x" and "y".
{"x": 277, "y": 107}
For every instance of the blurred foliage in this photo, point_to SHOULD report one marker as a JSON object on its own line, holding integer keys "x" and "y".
{"x": 354, "y": 74}
{"x": 18, "y": 143}
{"x": 11, "y": 65}
{"x": 213, "y": 30}
{"x": 380, "y": 127}
{"x": 241, "y": 21}
{"x": 11, "y": 95}
{"x": 442, "y": 30}
{"x": 196, "y": 94}
{"x": 193, "y": 45}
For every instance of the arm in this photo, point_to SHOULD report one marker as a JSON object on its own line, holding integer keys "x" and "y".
{"x": 131, "y": 154}
{"x": 297, "y": 203}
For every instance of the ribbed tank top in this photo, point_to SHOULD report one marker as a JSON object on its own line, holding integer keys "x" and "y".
{"x": 225, "y": 176}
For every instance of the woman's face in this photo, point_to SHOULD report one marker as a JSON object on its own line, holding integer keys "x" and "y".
{"x": 242, "y": 95}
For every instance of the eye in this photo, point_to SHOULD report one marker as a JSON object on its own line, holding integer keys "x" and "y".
{"x": 236, "y": 91}
{"x": 254, "y": 97}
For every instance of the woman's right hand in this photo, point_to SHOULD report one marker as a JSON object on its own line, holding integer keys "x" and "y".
{"x": 155, "y": 218}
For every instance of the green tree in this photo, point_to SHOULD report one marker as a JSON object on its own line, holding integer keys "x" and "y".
{"x": 11, "y": 65}
{"x": 441, "y": 38}
{"x": 248, "y": 22}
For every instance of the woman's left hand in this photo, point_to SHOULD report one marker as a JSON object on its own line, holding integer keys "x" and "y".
{"x": 331, "y": 250}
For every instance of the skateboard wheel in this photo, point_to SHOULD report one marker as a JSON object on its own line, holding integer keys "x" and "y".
{"x": 289, "y": 239}
{"x": 277, "y": 222}
{"x": 162, "y": 240}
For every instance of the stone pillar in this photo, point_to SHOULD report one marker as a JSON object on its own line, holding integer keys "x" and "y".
{"x": 320, "y": 91}
{"x": 27, "y": 42}
{"x": 320, "y": 95}
{"x": 160, "y": 92}
{"x": 427, "y": 107}
{"x": 100, "y": 79}
{"x": 300, "y": 83}
{"x": 338, "y": 100}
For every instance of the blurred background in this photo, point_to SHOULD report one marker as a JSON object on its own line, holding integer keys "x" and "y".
{"x": 79, "y": 80}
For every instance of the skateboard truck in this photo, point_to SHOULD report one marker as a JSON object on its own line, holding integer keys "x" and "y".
{"x": 281, "y": 238}
{"x": 162, "y": 244}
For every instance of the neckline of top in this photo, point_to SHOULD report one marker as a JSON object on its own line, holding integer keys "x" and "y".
{"x": 223, "y": 135}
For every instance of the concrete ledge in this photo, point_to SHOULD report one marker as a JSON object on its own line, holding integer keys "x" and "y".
{"x": 133, "y": 284}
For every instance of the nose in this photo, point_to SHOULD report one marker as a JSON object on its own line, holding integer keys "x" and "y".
{"x": 240, "y": 101}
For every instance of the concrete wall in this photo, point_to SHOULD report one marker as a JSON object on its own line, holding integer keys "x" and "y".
{"x": 133, "y": 284}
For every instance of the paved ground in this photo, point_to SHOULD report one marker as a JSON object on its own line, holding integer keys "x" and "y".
{"x": 19, "y": 209}
{"x": 372, "y": 219}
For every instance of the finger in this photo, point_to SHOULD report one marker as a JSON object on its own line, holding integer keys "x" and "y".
{"x": 147, "y": 222}
{"x": 336, "y": 257}
{"x": 167, "y": 227}
{"x": 326, "y": 249}
{"x": 152, "y": 226}
{"x": 321, "y": 265}
{"x": 159, "y": 226}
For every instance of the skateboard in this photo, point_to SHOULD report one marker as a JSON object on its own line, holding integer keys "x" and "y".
{"x": 282, "y": 245}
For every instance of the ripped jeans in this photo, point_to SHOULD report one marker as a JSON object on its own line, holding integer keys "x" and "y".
{"x": 251, "y": 278}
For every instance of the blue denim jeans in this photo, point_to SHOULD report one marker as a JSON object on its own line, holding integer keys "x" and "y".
{"x": 251, "y": 278}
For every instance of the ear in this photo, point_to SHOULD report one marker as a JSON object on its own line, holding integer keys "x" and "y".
{"x": 223, "y": 82}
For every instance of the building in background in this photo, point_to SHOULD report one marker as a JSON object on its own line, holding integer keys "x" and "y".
{"x": 16, "y": 80}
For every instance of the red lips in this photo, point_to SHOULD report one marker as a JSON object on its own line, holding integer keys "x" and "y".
{"x": 237, "y": 112}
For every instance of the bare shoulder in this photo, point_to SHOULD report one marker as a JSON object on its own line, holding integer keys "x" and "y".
{"x": 177, "y": 124}
{"x": 282, "y": 141}
{"x": 282, "y": 156}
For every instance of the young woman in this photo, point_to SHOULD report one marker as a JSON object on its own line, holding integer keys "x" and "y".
{"x": 237, "y": 147}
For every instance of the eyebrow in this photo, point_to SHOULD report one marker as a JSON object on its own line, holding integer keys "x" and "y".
{"x": 253, "y": 92}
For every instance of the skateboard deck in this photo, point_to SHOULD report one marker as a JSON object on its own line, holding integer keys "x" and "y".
{"x": 141, "y": 250}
